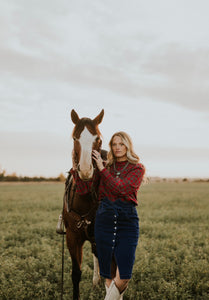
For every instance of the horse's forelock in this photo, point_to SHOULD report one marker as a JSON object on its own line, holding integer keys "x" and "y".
{"x": 89, "y": 124}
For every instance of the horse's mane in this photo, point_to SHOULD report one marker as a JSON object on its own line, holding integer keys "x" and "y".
{"x": 104, "y": 154}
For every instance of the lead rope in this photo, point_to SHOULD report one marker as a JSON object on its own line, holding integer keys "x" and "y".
{"x": 62, "y": 277}
{"x": 63, "y": 245}
{"x": 63, "y": 236}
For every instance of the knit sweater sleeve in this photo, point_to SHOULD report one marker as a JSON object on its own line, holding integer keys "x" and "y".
{"x": 127, "y": 185}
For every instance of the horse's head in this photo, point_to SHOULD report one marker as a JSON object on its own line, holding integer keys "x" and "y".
{"x": 86, "y": 136}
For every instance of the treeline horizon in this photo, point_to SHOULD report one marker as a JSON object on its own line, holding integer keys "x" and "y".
{"x": 15, "y": 178}
{"x": 61, "y": 178}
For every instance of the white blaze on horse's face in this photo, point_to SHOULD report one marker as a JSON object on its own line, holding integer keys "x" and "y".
{"x": 86, "y": 169}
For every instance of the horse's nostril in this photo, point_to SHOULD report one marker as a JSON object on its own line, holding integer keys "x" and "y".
{"x": 78, "y": 167}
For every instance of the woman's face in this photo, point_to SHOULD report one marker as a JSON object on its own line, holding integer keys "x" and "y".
{"x": 119, "y": 149}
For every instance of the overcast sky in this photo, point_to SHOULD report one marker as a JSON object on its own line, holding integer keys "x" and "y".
{"x": 145, "y": 62}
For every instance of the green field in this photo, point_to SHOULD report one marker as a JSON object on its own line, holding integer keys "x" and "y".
{"x": 171, "y": 259}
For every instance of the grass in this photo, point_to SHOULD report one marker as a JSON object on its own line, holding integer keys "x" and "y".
{"x": 171, "y": 258}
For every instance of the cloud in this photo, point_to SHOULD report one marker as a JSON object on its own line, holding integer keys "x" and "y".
{"x": 174, "y": 161}
{"x": 145, "y": 63}
{"x": 136, "y": 52}
{"x": 184, "y": 74}
{"x": 35, "y": 154}
{"x": 174, "y": 75}
{"x": 44, "y": 154}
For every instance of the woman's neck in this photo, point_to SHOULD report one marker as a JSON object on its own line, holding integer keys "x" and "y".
{"x": 119, "y": 159}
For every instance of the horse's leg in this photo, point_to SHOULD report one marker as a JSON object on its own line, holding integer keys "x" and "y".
{"x": 96, "y": 275}
{"x": 76, "y": 277}
{"x": 75, "y": 246}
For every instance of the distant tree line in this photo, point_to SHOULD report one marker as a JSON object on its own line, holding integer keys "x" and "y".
{"x": 15, "y": 178}
{"x": 61, "y": 178}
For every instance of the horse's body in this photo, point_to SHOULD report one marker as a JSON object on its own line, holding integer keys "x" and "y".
{"x": 79, "y": 210}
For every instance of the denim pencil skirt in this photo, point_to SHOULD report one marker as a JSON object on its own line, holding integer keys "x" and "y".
{"x": 116, "y": 234}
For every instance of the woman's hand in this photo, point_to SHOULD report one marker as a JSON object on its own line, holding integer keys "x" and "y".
{"x": 99, "y": 161}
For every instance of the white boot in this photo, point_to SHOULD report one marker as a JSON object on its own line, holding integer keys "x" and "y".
{"x": 113, "y": 292}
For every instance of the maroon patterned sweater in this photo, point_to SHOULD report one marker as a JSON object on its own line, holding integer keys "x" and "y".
{"x": 124, "y": 187}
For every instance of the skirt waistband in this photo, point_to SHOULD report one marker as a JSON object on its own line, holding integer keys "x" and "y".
{"x": 118, "y": 205}
{"x": 118, "y": 202}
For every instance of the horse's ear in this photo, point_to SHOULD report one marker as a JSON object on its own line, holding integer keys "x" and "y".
{"x": 74, "y": 116}
{"x": 99, "y": 118}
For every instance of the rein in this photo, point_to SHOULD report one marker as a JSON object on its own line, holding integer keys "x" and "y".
{"x": 62, "y": 277}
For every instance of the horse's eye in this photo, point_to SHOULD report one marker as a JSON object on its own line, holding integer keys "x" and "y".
{"x": 74, "y": 138}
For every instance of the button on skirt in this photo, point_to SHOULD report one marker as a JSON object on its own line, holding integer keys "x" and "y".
{"x": 116, "y": 234}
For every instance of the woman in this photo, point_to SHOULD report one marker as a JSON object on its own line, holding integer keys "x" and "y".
{"x": 117, "y": 223}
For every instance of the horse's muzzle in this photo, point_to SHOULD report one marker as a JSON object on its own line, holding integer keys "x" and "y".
{"x": 86, "y": 175}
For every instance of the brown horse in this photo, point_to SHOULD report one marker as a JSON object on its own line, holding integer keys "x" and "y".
{"x": 79, "y": 210}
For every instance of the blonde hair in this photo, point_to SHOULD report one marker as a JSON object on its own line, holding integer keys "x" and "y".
{"x": 132, "y": 157}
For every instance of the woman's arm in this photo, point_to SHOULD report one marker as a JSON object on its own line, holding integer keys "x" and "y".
{"x": 124, "y": 186}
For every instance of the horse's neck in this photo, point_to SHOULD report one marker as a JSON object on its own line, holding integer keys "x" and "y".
{"x": 82, "y": 203}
